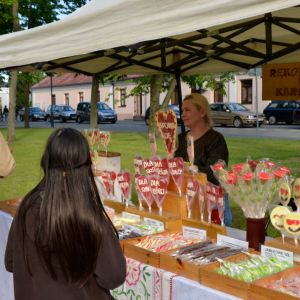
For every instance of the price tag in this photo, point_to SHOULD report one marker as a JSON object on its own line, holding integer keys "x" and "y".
{"x": 231, "y": 242}
{"x": 280, "y": 254}
{"x": 191, "y": 232}
{"x": 131, "y": 216}
{"x": 155, "y": 223}
{"x": 132, "y": 228}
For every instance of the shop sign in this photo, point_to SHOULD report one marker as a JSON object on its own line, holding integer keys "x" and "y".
{"x": 281, "y": 82}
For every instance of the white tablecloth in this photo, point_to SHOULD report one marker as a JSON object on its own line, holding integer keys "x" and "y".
{"x": 6, "y": 278}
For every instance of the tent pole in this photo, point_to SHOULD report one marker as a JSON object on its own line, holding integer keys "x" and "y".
{"x": 52, "y": 121}
{"x": 179, "y": 96}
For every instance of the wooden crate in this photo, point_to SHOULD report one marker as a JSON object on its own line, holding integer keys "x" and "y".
{"x": 212, "y": 229}
{"x": 119, "y": 207}
{"x": 143, "y": 255}
{"x": 10, "y": 206}
{"x": 171, "y": 220}
{"x": 178, "y": 266}
{"x": 226, "y": 284}
{"x": 258, "y": 292}
{"x": 288, "y": 245}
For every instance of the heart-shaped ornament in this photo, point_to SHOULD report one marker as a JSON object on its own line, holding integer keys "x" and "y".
{"x": 140, "y": 196}
{"x": 159, "y": 189}
{"x": 143, "y": 183}
{"x": 167, "y": 124}
{"x": 111, "y": 182}
{"x": 124, "y": 180}
{"x": 106, "y": 183}
{"x": 201, "y": 199}
{"x": 176, "y": 170}
{"x": 138, "y": 164}
{"x": 191, "y": 192}
{"x": 210, "y": 196}
{"x": 149, "y": 167}
{"x": 161, "y": 167}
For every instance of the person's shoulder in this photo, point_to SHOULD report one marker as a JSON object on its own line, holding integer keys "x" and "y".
{"x": 215, "y": 134}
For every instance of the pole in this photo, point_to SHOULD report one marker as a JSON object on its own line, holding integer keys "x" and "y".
{"x": 257, "y": 123}
{"x": 52, "y": 121}
{"x": 179, "y": 95}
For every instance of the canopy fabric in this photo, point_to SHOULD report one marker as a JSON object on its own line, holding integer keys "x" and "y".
{"x": 93, "y": 38}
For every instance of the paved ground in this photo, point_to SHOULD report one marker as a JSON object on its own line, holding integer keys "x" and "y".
{"x": 280, "y": 131}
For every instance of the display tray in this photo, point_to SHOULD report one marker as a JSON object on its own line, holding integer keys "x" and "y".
{"x": 258, "y": 292}
{"x": 226, "y": 284}
{"x": 10, "y": 206}
{"x": 212, "y": 230}
{"x": 288, "y": 245}
{"x": 119, "y": 207}
{"x": 140, "y": 254}
{"x": 178, "y": 266}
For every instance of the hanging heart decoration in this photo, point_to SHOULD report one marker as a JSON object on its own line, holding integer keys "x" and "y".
{"x": 166, "y": 122}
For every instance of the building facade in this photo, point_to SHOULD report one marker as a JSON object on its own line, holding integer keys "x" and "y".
{"x": 70, "y": 89}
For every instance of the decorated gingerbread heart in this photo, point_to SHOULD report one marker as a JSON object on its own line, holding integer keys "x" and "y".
{"x": 161, "y": 167}
{"x": 138, "y": 164}
{"x": 159, "y": 189}
{"x": 149, "y": 167}
{"x": 176, "y": 170}
{"x": 191, "y": 193}
{"x": 124, "y": 180}
{"x": 143, "y": 183}
{"x": 167, "y": 124}
{"x": 284, "y": 194}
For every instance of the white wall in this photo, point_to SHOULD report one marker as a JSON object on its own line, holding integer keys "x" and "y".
{"x": 4, "y": 96}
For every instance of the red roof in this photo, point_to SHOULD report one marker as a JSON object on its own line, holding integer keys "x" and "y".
{"x": 68, "y": 79}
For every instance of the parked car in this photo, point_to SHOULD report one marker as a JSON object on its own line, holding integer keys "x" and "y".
{"x": 105, "y": 113}
{"x": 175, "y": 108}
{"x": 296, "y": 115}
{"x": 62, "y": 113}
{"x": 281, "y": 111}
{"x": 35, "y": 114}
{"x": 234, "y": 113}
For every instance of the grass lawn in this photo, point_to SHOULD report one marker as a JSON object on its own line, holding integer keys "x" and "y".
{"x": 31, "y": 142}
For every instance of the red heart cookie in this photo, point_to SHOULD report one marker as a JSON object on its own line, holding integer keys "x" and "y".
{"x": 159, "y": 189}
{"x": 149, "y": 167}
{"x": 143, "y": 183}
{"x": 167, "y": 124}
{"x": 176, "y": 170}
{"x": 191, "y": 192}
{"x": 124, "y": 180}
{"x": 161, "y": 167}
{"x": 138, "y": 164}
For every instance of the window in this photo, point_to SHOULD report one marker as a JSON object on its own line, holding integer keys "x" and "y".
{"x": 293, "y": 105}
{"x": 53, "y": 99}
{"x": 224, "y": 107}
{"x": 67, "y": 99}
{"x": 218, "y": 96}
{"x": 123, "y": 93}
{"x": 283, "y": 105}
{"x": 247, "y": 91}
{"x": 273, "y": 105}
{"x": 214, "y": 107}
{"x": 80, "y": 94}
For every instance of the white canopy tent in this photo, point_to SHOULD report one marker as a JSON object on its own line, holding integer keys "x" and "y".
{"x": 150, "y": 37}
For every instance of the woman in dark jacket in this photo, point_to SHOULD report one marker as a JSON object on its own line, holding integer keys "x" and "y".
{"x": 61, "y": 244}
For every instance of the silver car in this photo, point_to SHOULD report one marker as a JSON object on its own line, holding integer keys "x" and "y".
{"x": 229, "y": 113}
{"x": 62, "y": 113}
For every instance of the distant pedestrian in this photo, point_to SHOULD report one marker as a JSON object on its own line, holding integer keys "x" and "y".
{"x": 5, "y": 111}
{"x": 1, "y": 114}
{"x": 17, "y": 113}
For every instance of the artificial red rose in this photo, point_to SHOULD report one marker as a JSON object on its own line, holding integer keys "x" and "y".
{"x": 218, "y": 167}
{"x": 278, "y": 174}
{"x": 264, "y": 176}
{"x": 253, "y": 163}
{"x": 229, "y": 173}
{"x": 270, "y": 164}
{"x": 247, "y": 176}
{"x": 285, "y": 170}
{"x": 238, "y": 168}
{"x": 232, "y": 179}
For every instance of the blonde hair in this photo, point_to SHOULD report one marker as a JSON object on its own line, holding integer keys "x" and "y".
{"x": 201, "y": 102}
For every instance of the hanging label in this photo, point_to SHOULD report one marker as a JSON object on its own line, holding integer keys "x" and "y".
{"x": 281, "y": 255}
{"x": 191, "y": 232}
{"x": 231, "y": 242}
{"x": 132, "y": 228}
{"x": 131, "y": 216}
{"x": 155, "y": 223}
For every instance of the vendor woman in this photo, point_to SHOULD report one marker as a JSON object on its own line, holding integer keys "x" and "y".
{"x": 210, "y": 145}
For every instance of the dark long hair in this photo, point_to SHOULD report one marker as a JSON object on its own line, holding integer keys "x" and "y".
{"x": 70, "y": 214}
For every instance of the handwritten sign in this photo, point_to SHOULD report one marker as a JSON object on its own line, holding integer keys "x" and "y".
{"x": 231, "y": 242}
{"x": 191, "y": 232}
{"x": 282, "y": 255}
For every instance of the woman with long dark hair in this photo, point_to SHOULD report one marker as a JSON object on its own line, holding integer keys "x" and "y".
{"x": 62, "y": 244}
